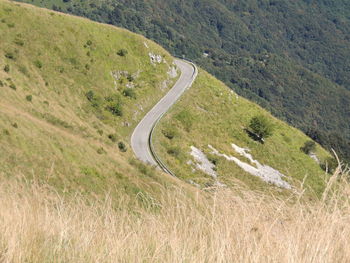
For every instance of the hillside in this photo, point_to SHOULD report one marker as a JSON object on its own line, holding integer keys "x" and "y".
{"x": 210, "y": 117}
{"x": 291, "y": 57}
{"x": 71, "y": 92}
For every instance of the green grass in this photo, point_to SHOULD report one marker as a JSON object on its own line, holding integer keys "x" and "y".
{"x": 49, "y": 63}
{"x": 209, "y": 113}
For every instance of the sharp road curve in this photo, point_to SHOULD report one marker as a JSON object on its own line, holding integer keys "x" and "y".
{"x": 141, "y": 138}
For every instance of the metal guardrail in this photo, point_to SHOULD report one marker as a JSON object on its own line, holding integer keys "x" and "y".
{"x": 150, "y": 142}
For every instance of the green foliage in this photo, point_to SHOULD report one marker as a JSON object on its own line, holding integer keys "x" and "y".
{"x": 90, "y": 95}
{"x": 115, "y": 109}
{"x": 19, "y": 42}
{"x": 101, "y": 150}
{"x": 7, "y": 68}
{"x": 13, "y": 86}
{"x": 113, "y": 137}
{"x": 174, "y": 151}
{"x": 29, "y": 98}
{"x": 129, "y": 92}
{"x": 329, "y": 165}
{"x": 38, "y": 64}
{"x": 261, "y": 126}
{"x": 169, "y": 132}
{"x": 89, "y": 42}
{"x": 308, "y": 147}
{"x": 122, "y": 52}
{"x": 122, "y": 147}
{"x": 10, "y": 55}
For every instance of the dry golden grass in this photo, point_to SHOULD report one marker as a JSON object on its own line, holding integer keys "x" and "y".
{"x": 39, "y": 225}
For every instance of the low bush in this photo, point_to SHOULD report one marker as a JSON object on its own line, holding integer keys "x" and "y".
{"x": 7, "y": 68}
{"x": 29, "y": 98}
{"x": 90, "y": 95}
{"x": 174, "y": 151}
{"x": 38, "y": 64}
{"x": 101, "y": 150}
{"x": 169, "y": 133}
{"x": 10, "y": 55}
{"x": 122, "y": 52}
{"x": 13, "y": 86}
{"x": 19, "y": 42}
{"x": 122, "y": 147}
{"x": 128, "y": 92}
{"x": 308, "y": 147}
{"x": 329, "y": 165}
{"x": 112, "y": 137}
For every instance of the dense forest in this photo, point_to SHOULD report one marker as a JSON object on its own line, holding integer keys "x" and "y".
{"x": 291, "y": 57}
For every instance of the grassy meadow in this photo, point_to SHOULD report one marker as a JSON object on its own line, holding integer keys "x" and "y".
{"x": 71, "y": 92}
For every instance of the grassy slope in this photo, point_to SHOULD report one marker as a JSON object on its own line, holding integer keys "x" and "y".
{"x": 209, "y": 113}
{"x": 59, "y": 135}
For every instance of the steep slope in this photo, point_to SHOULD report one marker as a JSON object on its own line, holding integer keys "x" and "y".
{"x": 204, "y": 140}
{"x": 71, "y": 92}
{"x": 292, "y": 57}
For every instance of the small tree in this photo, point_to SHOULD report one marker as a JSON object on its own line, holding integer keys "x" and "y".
{"x": 309, "y": 147}
{"x": 261, "y": 127}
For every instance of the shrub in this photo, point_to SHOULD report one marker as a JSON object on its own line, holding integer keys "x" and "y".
{"x": 122, "y": 52}
{"x": 15, "y": 125}
{"x": 29, "y": 98}
{"x": 112, "y": 137}
{"x": 23, "y": 70}
{"x": 115, "y": 108}
{"x": 90, "y": 95}
{"x": 101, "y": 150}
{"x": 7, "y": 68}
{"x": 128, "y": 92}
{"x": 169, "y": 133}
{"x": 19, "y": 42}
{"x": 329, "y": 165}
{"x": 174, "y": 151}
{"x": 1, "y": 83}
{"x": 122, "y": 147}
{"x": 261, "y": 127}
{"x": 10, "y": 55}
{"x": 13, "y": 86}
{"x": 89, "y": 42}
{"x": 309, "y": 146}
{"x": 130, "y": 78}
{"x": 38, "y": 63}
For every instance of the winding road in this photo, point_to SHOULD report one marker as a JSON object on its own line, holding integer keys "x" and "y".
{"x": 141, "y": 139}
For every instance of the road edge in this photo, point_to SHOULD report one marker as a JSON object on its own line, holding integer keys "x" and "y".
{"x": 150, "y": 137}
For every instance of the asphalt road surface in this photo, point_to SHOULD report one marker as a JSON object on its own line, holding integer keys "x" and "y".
{"x": 140, "y": 139}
